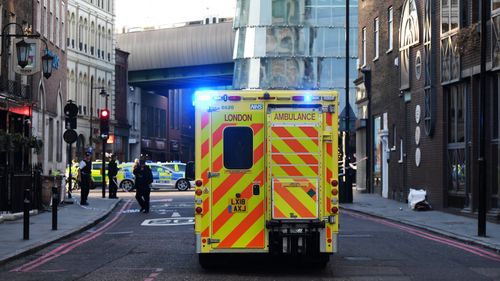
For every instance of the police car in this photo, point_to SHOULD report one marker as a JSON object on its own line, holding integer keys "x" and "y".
{"x": 162, "y": 177}
{"x": 178, "y": 171}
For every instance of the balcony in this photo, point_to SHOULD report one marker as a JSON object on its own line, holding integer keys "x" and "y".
{"x": 15, "y": 90}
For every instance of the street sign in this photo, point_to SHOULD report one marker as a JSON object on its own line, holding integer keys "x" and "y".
{"x": 70, "y": 136}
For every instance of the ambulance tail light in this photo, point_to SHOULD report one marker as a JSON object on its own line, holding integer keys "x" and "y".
{"x": 199, "y": 210}
{"x": 335, "y": 192}
{"x": 334, "y": 182}
{"x": 335, "y": 210}
{"x": 199, "y": 192}
{"x": 198, "y": 183}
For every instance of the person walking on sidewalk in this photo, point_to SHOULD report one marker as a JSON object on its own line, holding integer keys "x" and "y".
{"x": 85, "y": 178}
{"x": 112, "y": 172}
{"x": 143, "y": 178}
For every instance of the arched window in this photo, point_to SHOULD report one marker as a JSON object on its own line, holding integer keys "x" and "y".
{"x": 409, "y": 36}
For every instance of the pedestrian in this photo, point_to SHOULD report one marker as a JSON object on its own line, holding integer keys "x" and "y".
{"x": 85, "y": 178}
{"x": 143, "y": 178}
{"x": 112, "y": 172}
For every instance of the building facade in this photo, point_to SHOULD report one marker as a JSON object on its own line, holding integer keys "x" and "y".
{"x": 154, "y": 126}
{"x": 418, "y": 101}
{"x": 50, "y": 94}
{"x": 295, "y": 45}
{"x": 134, "y": 119}
{"x": 180, "y": 125}
{"x": 121, "y": 134}
{"x": 91, "y": 67}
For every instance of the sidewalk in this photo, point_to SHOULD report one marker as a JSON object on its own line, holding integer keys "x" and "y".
{"x": 454, "y": 226}
{"x": 72, "y": 218}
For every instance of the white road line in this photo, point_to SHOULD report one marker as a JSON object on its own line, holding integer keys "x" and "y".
{"x": 176, "y": 215}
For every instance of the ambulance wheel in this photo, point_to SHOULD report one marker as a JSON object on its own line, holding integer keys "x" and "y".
{"x": 182, "y": 185}
{"x": 206, "y": 260}
{"x": 322, "y": 260}
{"x": 127, "y": 185}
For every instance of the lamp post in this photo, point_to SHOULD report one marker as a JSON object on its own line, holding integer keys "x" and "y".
{"x": 348, "y": 181}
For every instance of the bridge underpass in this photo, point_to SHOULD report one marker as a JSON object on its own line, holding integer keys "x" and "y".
{"x": 173, "y": 62}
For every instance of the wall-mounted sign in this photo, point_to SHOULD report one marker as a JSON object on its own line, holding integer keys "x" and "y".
{"x": 417, "y": 114}
{"x": 417, "y": 135}
{"x": 33, "y": 57}
{"x": 418, "y": 65}
{"x": 418, "y": 157}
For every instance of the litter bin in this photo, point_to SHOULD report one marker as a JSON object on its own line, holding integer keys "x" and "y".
{"x": 47, "y": 183}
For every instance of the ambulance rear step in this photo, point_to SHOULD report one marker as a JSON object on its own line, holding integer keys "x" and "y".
{"x": 293, "y": 237}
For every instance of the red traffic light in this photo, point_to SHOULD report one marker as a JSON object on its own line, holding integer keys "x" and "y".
{"x": 104, "y": 113}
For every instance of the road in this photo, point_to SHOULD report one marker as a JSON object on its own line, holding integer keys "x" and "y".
{"x": 130, "y": 245}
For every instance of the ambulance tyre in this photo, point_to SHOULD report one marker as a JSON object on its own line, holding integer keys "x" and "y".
{"x": 322, "y": 260}
{"x": 182, "y": 185}
{"x": 207, "y": 261}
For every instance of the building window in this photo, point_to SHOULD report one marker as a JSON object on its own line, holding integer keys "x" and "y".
{"x": 376, "y": 37}
{"x": 363, "y": 45}
{"x": 51, "y": 141}
{"x": 456, "y": 96}
{"x": 496, "y": 143}
{"x": 428, "y": 118}
{"x": 427, "y": 42}
{"x": 450, "y": 60}
{"x": 450, "y": 15}
{"x": 409, "y": 36}
{"x": 238, "y": 148}
{"x": 390, "y": 27}
{"x": 495, "y": 19}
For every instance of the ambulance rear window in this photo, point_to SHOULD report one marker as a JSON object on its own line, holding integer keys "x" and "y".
{"x": 238, "y": 148}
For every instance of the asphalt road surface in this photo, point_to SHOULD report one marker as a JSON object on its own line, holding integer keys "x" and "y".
{"x": 130, "y": 245}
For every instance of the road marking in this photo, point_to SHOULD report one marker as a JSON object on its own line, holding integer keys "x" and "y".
{"x": 162, "y": 200}
{"x": 423, "y": 234}
{"x": 168, "y": 222}
{"x": 67, "y": 247}
{"x": 119, "y": 233}
{"x": 176, "y": 215}
{"x": 153, "y": 275}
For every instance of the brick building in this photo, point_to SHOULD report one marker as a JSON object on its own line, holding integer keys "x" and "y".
{"x": 418, "y": 101}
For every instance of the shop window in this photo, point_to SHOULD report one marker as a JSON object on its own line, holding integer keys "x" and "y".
{"x": 238, "y": 148}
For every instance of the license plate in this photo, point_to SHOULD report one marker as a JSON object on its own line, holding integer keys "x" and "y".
{"x": 238, "y": 205}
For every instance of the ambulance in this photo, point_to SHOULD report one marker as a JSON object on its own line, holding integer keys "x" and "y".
{"x": 266, "y": 173}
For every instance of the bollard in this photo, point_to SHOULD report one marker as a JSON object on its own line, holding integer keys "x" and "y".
{"x": 55, "y": 203}
{"x": 26, "y": 215}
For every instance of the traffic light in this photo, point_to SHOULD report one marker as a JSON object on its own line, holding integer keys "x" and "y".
{"x": 104, "y": 123}
{"x": 70, "y": 113}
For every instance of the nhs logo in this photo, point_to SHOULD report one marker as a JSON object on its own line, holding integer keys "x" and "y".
{"x": 256, "y": 106}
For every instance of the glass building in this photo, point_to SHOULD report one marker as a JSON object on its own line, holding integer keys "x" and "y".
{"x": 294, "y": 44}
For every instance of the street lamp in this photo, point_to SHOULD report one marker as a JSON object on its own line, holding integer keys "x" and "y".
{"x": 23, "y": 49}
{"x": 22, "y": 53}
{"x": 47, "y": 64}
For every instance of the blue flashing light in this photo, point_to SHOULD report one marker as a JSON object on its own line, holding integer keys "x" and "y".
{"x": 202, "y": 98}
{"x": 307, "y": 98}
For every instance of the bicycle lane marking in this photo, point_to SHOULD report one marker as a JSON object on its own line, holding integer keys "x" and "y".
{"x": 412, "y": 230}
{"x": 69, "y": 246}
